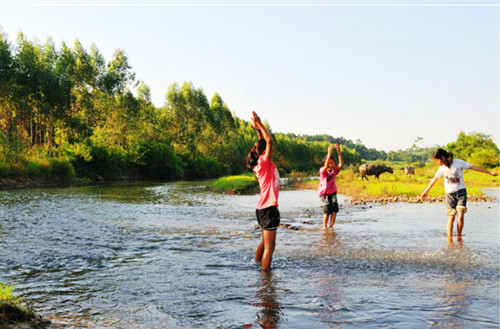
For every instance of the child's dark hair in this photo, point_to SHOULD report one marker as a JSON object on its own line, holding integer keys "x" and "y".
{"x": 326, "y": 157}
{"x": 253, "y": 156}
{"x": 440, "y": 153}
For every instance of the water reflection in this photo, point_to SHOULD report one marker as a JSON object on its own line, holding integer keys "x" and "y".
{"x": 270, "y": 312}
{"x": 454, "y": 302}
{"x": 330, "y": 240}
{"x": 331, "y": 296}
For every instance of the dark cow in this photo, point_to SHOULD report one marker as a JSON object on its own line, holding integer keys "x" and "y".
{"x": 373, "y": 169}
{"x": 409, "y": 170}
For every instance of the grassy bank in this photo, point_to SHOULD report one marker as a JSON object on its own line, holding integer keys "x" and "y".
{"x": 398, "y": 187}
{"x": 235, "y": 184}
{"x": 30, "y": 167}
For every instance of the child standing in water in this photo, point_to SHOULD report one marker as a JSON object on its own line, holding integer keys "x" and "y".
{"x": 456, "y": 193}
{"x": 260, "y": 160}
{"x": 327, "y": 188}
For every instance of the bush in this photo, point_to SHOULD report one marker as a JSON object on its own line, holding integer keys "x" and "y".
{"x": 200, "y": 167}
{"x": 62, "y": 168}
{"x": 36, "y": 168}
{"x": 158, "y": 161}
{"x": 110, "y": 164}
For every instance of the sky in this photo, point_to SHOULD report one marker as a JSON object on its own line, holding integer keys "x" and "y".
{"x": 381, "y": 72}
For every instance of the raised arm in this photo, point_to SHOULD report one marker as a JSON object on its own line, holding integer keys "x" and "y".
{"x": 328, "y": 155}
{"x": 263, "y": 133}
{"x": 341, "y": 161}
{"x": 477, "y": 168}
{"x": 259, "y": 133}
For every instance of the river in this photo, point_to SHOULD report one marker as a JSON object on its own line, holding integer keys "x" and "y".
{"x": 175, "y": 255}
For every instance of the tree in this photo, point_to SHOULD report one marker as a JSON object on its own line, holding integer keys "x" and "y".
{"x": 188, "y": 111}
{"x": 476, "y": 148}
{"x": 119, "y": 74}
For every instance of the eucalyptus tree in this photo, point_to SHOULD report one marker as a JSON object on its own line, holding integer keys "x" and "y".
{"x": 187, "y": 111}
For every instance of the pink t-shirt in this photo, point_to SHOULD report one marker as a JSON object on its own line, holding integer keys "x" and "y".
{"x": 327, "y": 183}
{"x": 269, "y": 182}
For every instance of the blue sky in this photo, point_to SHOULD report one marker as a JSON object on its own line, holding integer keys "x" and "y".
{"x": 384, "y": 73}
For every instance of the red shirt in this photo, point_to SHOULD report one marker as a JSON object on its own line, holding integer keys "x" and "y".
{"x": 327, "y": 183}
{"x": 269, "y": 182}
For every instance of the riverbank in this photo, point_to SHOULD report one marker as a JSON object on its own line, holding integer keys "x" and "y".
{"x": 15, "y": 313}
{"x": 12, "y": 317}
{"x": 10, "y": 183}
{"x": 247, "y": 184}
{"x": 399, "y": 188}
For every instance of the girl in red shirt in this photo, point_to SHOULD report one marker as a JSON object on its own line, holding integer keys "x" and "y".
{"x": 260, "y": 161}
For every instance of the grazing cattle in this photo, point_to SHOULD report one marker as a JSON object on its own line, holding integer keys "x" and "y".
{"x": 373, "y": 170}
{"x": 409, "y": 170}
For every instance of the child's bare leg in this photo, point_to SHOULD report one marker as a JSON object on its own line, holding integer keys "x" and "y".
{"x": 460, "y": 221}
{"x": 332, "y": 219}
{"x": 325, "y": 221}
{"x": 449, "y": 226}
{"x": 260, "y": 249}
{"x": 269, "y": 239}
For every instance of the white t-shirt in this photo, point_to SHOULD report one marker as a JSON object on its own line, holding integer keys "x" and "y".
{"x": 453, "y": 175}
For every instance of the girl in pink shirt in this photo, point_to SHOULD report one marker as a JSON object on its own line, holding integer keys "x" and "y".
{"x": 268, "y": 215}
{"x": 327, "y": 188}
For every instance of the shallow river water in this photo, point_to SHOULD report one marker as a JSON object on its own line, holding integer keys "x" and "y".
{"x": 174, "y": 255}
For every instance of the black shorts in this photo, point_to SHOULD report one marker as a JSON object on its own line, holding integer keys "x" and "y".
{"x": 456, "y": 200}
{"x": 268, "y": 218}
{"x": 329, "y": 203}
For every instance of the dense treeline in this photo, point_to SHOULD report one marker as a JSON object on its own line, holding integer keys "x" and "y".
{"x": 70, "y": 109}
{"x": 70, "y": 112}
{"x": 365, "y": 153}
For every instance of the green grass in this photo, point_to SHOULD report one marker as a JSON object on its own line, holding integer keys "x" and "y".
{"x": 35, "y": 167}
{"x": 397, "y": 184}
{"x": 8, "y": 295}
{"x": 235, "y": 184}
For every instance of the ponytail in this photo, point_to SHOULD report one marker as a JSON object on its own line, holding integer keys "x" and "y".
{"x": 440, "y": 154}
{"x": 253, "y": 157}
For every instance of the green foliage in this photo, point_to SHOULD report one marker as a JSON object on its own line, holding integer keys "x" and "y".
{"x": 476, "y": 148}
{"x": 8, "y": 296}
{"x": 415, "y": 155}
{"x": 33, "y": 167}
{"x": 198, "y": 166}
{"x": 110, "y": 163}
{"x": 297, "y": 154}
{"x": 68, "y": 112}
{"x": 362, "y": 151}
{"x": 158, "y": 161}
